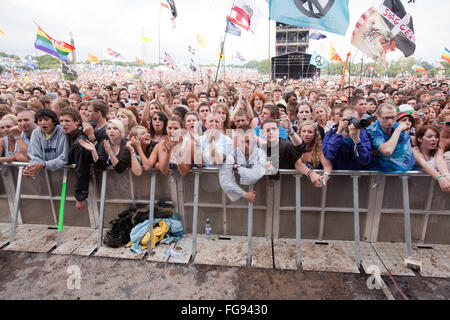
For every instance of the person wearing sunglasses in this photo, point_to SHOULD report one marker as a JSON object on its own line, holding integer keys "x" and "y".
{"x": 391, "y": 142}
{"x": 444, "y": 125}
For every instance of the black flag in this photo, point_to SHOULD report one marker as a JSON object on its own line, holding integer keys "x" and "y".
{"x": 401, "y": 24}
{"x": 67, "y": 70}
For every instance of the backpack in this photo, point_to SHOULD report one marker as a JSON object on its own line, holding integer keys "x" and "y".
{"x": 120, "y": 232}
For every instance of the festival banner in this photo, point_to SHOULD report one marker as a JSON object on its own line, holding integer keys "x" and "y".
{"x": 56, "y": 48}
{"x": 327, "y": 15}
{"x": 318, "y": 61}
{"x": 245, "y": 14}
{"x": 400, "y": 23}
{"x": 334, "y": 55}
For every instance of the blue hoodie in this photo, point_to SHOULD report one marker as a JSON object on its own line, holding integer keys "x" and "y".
{"x": 53, "y": 151}
{"x": 343, "y": 154}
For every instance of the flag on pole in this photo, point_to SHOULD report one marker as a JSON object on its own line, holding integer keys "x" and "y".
{"x": 438, "y": 65}
{"x": 113, "y": 53}
{"x": 200, "y": 40}
{"x": 316, "y": 35}
{"x": 232, "y": 29}
{"x": 245, "y": 14}
{"x": 92, "y": 58}
{"x": 191, "y": 50}
{"x": 446, "y": 55}
{"x": 30, "y": 62}
{"x": 222, "y": 57}
{"x": 56, "y": 48}
{"x": 146, "y": 39}
{"x": 67, "y": 70}
{"x": 2, "y": 33}
{"x": 327, "y": 15}
{"x": 334, "y": 55}
{"x": 419, "y": 68}
{"x": 168, "y": 60}
{"x": 170, "y": 4}
{"x": 400, "y": 24}
{"x": 239, "y": 57}
{"x": 140, "y": 61}
{"x": 318, "y": 61}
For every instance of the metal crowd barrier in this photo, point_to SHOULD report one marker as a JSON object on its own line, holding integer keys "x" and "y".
{"x": 373, "y": 207}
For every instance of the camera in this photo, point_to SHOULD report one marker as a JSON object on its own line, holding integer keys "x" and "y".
{"x": 358, "y": 123}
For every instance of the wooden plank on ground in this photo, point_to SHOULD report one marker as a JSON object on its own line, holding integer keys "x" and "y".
{"x": 5, "y": 229}
{"x": 284, "y": 251}
{"x": 33, "y": 238}
{"x": 336, "y": 256}
{"x": 183, "y": 250}
{"x": 370, "y": 260}
{"x": 262, "y": 253}
{"x": 89, "y": 245}
{"x": 72, "y": 238}
{"x": 222, "y": 250}
{"x": 435, "y": 261}
{"x": 161, "y": 252}
{"x": 121, "y": 253}
{"x": 392, "y": 255}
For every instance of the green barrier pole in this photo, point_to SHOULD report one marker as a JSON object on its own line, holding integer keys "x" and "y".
{"x": 61, "y": 208}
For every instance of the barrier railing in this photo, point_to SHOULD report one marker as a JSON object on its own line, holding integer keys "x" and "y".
{"x": 380, "y": 212}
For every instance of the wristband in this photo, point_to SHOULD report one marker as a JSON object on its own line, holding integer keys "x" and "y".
{"x": 17, "y": 138}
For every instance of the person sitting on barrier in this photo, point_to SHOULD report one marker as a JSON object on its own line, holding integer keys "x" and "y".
{"x": 9, "y": 129}
{"x": 95, "y": 130}
{"x": 347, "y": 145}
{"x": 214, "y": 145}
{"x": 313, "y": 157}
{"x": 391, "y": 143}
{"x": 430, "y": 157}
{"x": 140, "y": 146}
{"x": 175, "y": 149}
{"x": 281, "y": 153}
{"x": 113, "y": 151}
{"x": 70, "y": 121}
{"x": 49, "y": 146}
{"x": 26, "y": 125}
{"x": 247, "y": 160}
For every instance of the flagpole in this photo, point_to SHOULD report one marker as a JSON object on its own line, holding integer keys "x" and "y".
{"x": 270, "y": 61}
{"x": 159, "y": 43}
{"x": 223, "y": 44}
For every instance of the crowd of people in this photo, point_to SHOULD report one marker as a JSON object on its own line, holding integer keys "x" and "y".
{"x": 244, "y": 128}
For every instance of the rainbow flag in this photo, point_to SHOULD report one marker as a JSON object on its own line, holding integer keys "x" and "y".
{"x": 419, "y": 68}
{"x": 446, "y": 55}
{"x": 51, "y": 46}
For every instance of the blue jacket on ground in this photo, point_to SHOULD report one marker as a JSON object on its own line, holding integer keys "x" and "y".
{"x": 343, "y": 154}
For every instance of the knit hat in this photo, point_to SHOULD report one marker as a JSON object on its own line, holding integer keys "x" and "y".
{"x": 402, "y": 114}
{"x": 405, "y": 108}
{"x": 119, "y": 125}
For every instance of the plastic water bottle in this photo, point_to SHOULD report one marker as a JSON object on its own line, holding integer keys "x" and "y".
{"x": 208, "y": 230}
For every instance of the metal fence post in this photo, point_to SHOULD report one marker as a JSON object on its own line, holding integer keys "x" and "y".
{"x": 356, "y": 220}
{"x": 16, "y": 205}
{"x": 406, "y": 215}
{"x": 298, "y": 225}
{"x": 195, "y": 215}
{"x": 102, "y": 209}
{"x": 61, "y": 208}
{"x": 151, "y": 212}
{"x": 250, "y": 230}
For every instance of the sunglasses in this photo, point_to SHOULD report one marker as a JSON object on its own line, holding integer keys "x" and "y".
{"x": 447, "y": 123}
{"x": 277, "y": 90}
{"x": 156, "y": 119}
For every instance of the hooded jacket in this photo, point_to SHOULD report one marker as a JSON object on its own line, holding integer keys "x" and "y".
{"x": 344, "y": 154}
{"x": 53, "y": 151}
{"x": 82, "y": 159}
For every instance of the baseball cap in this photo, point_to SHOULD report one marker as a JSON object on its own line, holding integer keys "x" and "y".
{"x": 405, "y": 108}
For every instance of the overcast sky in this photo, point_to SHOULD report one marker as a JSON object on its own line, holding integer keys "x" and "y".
{"x": 118, "y": 24}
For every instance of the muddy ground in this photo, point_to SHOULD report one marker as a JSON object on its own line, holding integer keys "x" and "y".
{"x": 50, "y": 276}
